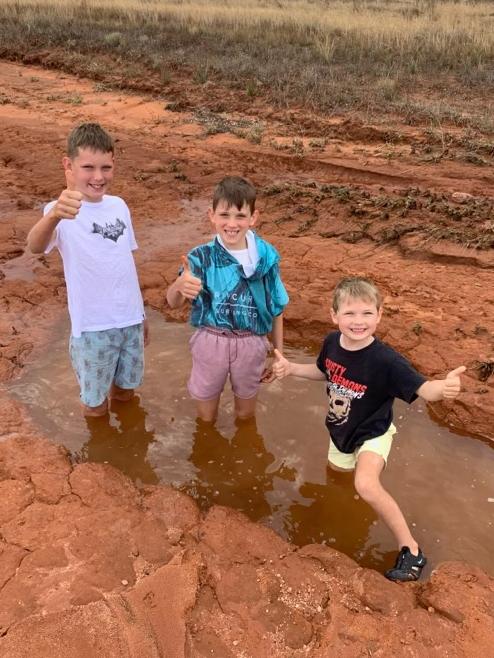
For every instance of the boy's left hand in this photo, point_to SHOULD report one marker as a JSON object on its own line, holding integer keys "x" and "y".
{"x": 452, "y": 383}
{"x": 268, "y": 375}
{"x": 145, "y": 326}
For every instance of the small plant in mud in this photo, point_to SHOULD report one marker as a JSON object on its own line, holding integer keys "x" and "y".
{"x": 277, "y": 146}
{"x": 75, "y": 99}
{"x": 484, "y": 369}
{"x": 102, "y": 86}
{"x": 219, "y": 123}
{"x": 417, "y": 328}
{"x": 304, "y": 227}
{"x": 394, "y": 233}
{"x": 297, "y": 146}
{"x": 271, "y": 190}
{"x": 318, "y": 144}
{"x": 339, "y": 192}
{"x": 474, "y": 158}
{"x": 253, "y": 134}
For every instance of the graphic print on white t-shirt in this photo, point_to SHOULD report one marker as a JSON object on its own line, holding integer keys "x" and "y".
{"x": 110, "y": 231}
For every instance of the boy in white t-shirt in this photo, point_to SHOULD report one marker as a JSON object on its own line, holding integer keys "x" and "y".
{"x": 94, "y": 235}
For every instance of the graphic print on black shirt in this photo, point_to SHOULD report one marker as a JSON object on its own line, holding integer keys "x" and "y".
{"x": 341, "y": 391}
{"x": 361, "y": 387}
{"x": 110, "y": 231}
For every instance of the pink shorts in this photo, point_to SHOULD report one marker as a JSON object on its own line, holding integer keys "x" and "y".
{"x": 217, "y": 353}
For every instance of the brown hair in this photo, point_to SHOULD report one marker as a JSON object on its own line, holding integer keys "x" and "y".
{"x": 357, "y": 287}
{"x": 91, "y": 136}
{"x": 235, "y": 191}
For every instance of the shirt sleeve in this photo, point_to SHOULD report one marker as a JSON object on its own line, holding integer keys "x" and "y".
{"x": 404, "y": 380}
{"x": 277, "y": 296}
{"x": 195, "y": 263}
{"x": 321, "y": 359}
{"x": 131, "y": 235}
{"x": 54, "y": 240}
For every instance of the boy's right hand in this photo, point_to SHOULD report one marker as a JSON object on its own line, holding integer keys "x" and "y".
{"x": 68, "y": 205}
{"x": 281, "y": 366}
{"x": 69, "y": 202}
{"x": 189, "y": 285}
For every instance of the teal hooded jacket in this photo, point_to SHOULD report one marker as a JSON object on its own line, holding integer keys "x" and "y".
{"x": 231, "y": 300}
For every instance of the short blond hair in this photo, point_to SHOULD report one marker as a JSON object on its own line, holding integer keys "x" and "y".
{"x": 356, "y": 287}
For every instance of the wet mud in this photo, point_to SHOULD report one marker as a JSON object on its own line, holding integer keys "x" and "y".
{"x": 337, "y": 197}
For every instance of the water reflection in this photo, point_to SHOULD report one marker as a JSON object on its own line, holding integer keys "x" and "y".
{"x": 335, "y": 516}
{"x": 121, "y": 439}
{"x": 237, "y": 472}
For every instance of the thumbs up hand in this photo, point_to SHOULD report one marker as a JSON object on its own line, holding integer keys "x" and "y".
{"x": 69, "y": 202}
{"x": 452, "y": 383}
{"x": 281, "y": 366}
{"x": 189, "y": 285}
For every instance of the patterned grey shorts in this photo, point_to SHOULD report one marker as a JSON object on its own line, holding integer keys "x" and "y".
{"x": 101, "y": 357}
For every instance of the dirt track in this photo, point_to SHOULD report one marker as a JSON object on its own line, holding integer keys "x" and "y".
{"x": 344, "y": 199}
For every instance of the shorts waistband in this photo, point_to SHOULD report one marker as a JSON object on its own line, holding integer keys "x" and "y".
{"x": 228, "y": 333}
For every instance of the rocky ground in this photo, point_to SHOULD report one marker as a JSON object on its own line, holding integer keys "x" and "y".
{"x": 401, "y": 204}
{"x": 92, "y": 566}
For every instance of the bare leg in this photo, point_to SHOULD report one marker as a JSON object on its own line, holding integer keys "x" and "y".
{"x": 94, "y": 412}
{"x": 121, "y": 394}
{"x": 369, "y": 487}
{"x": 207, "y": 410}
{"x": 245, "y": 408}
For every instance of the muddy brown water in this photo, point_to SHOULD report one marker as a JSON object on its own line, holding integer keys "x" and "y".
{"x": 273, "y": 469}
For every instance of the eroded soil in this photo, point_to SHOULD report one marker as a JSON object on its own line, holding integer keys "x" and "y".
{"x": 344, "y": 199}
{"x": 337, "y": 197}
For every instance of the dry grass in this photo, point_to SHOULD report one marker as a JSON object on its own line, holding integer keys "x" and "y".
{"x": 329, "y": 54}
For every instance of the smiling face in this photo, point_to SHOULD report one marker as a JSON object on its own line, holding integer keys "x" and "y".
{"x": 90, "y": 172}
{"x": 232, "y": 224}
{"x": 357, "y": 320}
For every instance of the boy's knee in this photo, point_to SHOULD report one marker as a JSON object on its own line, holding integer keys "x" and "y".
{"x": 367, "y": 486}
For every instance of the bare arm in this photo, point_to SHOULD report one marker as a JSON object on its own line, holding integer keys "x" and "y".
{"x": 173, "y": 295}
{"x": 40, "y": 235}
{"x": 67, "y": 206}
{"x": 442, "y": 389}
{"x": 277, "y": 332}
{"x": 306, "y": 371}
{"x": 282, "y": 368}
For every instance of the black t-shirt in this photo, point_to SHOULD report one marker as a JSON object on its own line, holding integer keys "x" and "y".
{"x": 361, "y": 388}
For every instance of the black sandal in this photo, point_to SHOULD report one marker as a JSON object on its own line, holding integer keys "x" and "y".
{"x": 407, "y": 566}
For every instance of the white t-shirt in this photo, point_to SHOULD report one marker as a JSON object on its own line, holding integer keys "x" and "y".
{"x": 96, "y": 248}
{"x": 249, "y": 257}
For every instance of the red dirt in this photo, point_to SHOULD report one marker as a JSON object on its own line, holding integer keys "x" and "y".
{"x": 337, "y": 197}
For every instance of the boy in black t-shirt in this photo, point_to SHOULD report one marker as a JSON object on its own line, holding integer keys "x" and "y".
{"x": 363, "y": 377}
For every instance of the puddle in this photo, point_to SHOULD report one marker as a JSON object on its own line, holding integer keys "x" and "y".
{"x": 20, "y": 268}
{"x": 273, "y": 469}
